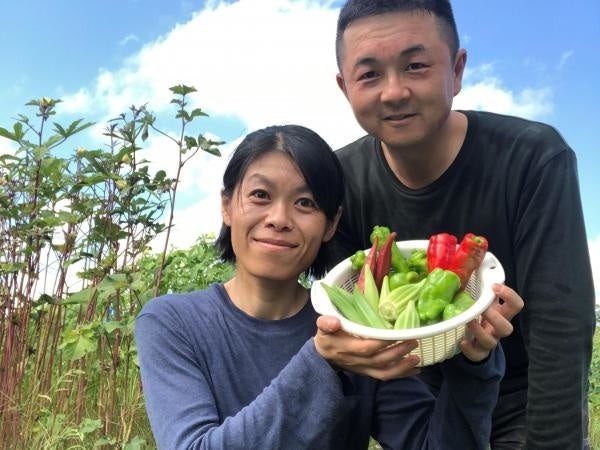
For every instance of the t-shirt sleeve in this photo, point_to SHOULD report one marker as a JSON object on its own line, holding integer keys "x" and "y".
{"x": 553, "y": 276}
{"x": 460, "y": 417}
{"x": 293, "y": 411}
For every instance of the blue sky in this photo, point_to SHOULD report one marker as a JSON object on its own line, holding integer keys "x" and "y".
{"x": 259, "y": 62}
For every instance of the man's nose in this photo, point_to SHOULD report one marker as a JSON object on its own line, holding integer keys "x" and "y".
{"x": 394, "y": 90}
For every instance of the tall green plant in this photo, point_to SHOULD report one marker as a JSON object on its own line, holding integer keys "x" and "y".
{"x": 72, "y": 233}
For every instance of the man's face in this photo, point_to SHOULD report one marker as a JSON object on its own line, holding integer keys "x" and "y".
{"x": 399, "y": 77}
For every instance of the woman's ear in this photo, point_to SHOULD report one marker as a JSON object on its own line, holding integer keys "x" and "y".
{"x": 226, "y": 208}
{"x": 332, "y": 226}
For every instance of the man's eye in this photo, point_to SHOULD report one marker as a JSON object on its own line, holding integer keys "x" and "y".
{"x": 368, "y": 75}
{"x": 412, "y": 67}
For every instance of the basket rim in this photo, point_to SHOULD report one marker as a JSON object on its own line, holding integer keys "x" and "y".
{"x": 490, "y": 272}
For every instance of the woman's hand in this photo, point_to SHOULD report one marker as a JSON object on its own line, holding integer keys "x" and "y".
{"x": 495, "y": 324}
{"x": 384, "y": 360}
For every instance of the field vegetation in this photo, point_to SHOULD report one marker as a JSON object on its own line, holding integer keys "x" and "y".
{"x": 76, "y": 266}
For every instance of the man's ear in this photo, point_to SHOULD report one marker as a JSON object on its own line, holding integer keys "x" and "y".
{"x": 460, "y": 61}
{"x": 226, "y": 208}
{"x": 332, "y": 227}
{"x": 341, "y": 84}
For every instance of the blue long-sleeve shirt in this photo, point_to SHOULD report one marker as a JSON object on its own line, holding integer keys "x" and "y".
{"x": 215, "y": 377}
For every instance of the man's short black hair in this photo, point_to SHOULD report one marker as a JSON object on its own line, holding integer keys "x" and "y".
{"x": 354, "y": 10}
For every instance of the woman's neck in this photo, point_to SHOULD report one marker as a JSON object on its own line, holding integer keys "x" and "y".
{"x": 266, "y": 299}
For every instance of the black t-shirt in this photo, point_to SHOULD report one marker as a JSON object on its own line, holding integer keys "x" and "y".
{"x": 515, "y": 182}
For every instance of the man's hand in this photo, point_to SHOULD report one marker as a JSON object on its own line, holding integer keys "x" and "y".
{"x": 384, "y": 360}
{"x": 495, "y": 324}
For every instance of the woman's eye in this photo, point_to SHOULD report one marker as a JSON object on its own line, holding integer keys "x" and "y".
{"x": 306, "y": 203}
{"x": 259, "y": 194}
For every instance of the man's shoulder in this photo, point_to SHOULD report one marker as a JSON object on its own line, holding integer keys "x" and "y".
{"x": 356, "y": 148}
{"x": 514, "y": 127}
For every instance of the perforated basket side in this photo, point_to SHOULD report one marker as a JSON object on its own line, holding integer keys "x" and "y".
{"x": 431, "y": 349}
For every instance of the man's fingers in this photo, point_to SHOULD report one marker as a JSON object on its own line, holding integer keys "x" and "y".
{"x": 511, "y": 303}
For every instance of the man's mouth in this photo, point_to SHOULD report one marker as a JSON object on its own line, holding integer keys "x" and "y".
{"x": 397, "y": 117}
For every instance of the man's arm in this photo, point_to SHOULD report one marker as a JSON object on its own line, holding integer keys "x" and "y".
{"x": 553, "y": 275}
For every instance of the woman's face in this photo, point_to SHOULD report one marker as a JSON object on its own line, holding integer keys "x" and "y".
{"x": 276, "y": 226}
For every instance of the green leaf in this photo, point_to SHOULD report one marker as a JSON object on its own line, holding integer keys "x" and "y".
{"x": 78, "y": 342}
{"x": 11, "y": 267}
{"x": 53, "y": 140}
{"x": 112, "y": 325}
{"x": 59, "y": 129}
{"x": 160, "y": 176}
{"x": 45, "y": 298}
{"x": 137, "y": 443}
{"x": 83, "y": 296}
{"x": 190, "y": 142}
{"x": 7, "y": 134}
{"x": 105, "y": 440}
{"x": 198, "y": 112}
{"x": 76, "y": 128}
{"x": 182, "y": 89}
{"x": 40, "y": 152}
{"x": 88, "y": 425}
{"x": 18, "y": 131}
{"x": 183, "y": 114}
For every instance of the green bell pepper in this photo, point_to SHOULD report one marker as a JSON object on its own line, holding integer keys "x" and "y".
{"x": 439, "y": 290}
{"x": 460, "y": 303}
{"x": 417, "y": 262}
{"x": 398, "y": 279}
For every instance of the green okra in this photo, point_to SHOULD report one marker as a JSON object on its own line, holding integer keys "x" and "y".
{"x": 369, "y": 313}
{"x": 408, "y": 318}
{"x": 396, "y": 300}
{"x": 345, "y": 304}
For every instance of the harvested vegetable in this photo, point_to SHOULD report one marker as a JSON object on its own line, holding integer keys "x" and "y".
{"x": 468, "y": 257}
{"x": 439, "y": 290}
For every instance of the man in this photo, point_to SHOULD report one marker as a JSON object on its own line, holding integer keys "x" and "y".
{"x": 424, "y": 168}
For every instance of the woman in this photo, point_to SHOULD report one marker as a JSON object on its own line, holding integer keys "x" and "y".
{"x": 244, "y": 365}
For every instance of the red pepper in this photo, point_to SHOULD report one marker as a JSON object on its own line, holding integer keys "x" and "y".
{"x": 440, "y": 251}
{"x": 371, "y": 261}
{"x": 468, "y": 257}
{"x": 384, "y": 259}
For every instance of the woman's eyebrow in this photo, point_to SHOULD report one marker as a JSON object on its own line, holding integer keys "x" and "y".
{"x": 302, "y": 189}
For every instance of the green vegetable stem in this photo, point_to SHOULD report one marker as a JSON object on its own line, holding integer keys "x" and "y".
{"x": 358, "y": 260}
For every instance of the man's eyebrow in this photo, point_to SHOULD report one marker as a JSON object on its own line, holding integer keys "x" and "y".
{"x": 369, "y": 60}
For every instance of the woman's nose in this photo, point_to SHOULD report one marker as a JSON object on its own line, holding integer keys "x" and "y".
{"x": 279, "y": 216}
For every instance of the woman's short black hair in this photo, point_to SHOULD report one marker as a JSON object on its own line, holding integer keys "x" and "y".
{"x": 354, "y": 10}
{"x": 315, "y": 160}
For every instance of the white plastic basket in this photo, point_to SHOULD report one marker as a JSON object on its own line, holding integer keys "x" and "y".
{"x": 436, "y": 342}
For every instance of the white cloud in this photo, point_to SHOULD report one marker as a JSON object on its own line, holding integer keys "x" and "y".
{"x": 77, "y": 102}
{"x": 129, "y": 38}
{"x": 264, "y": 62}
{"x": 7, "y": 147}
{"x": 484, "y": 90}
{"x": 564, "y": 57}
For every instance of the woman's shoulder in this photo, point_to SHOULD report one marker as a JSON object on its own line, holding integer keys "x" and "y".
{"x": 186, "y": 304}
